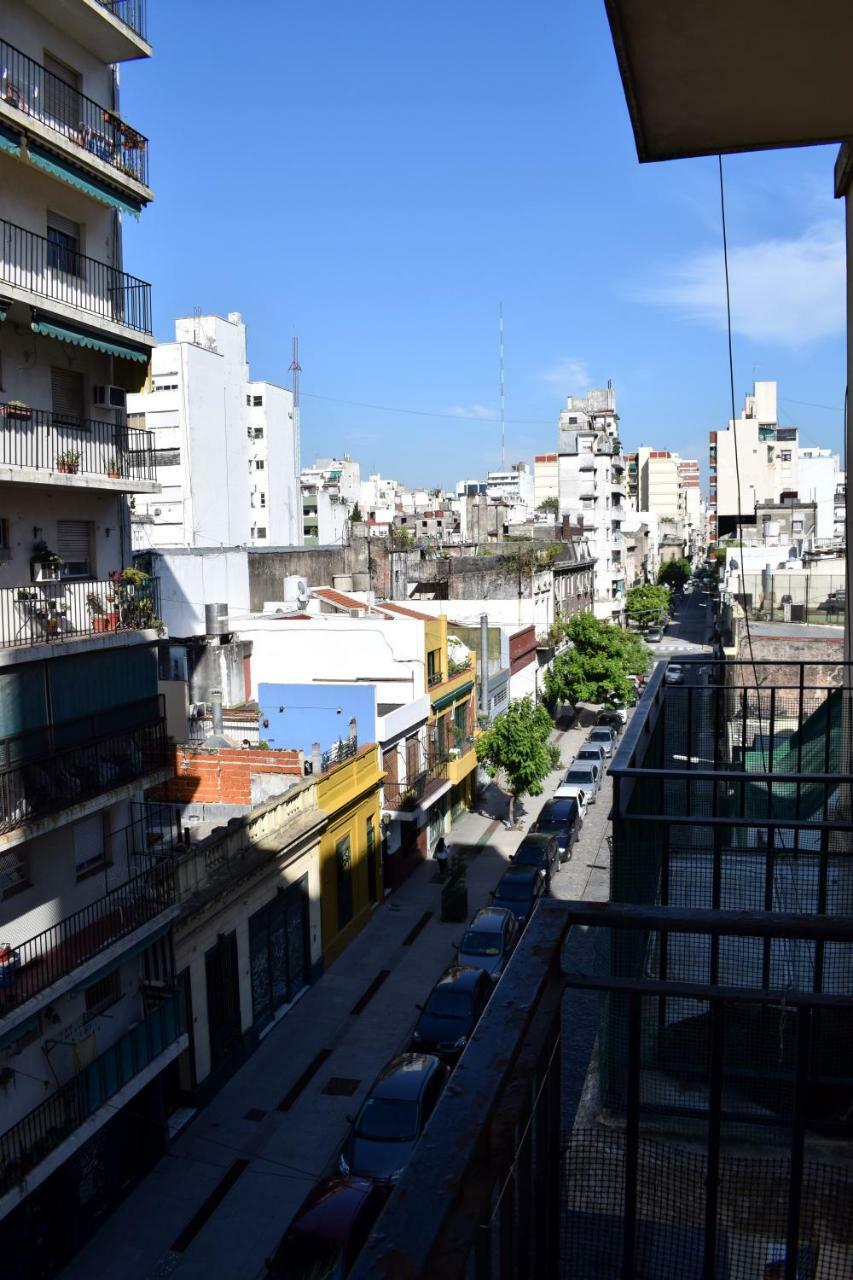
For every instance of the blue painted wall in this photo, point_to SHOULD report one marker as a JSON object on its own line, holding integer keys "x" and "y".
{"x": 310, "y": 714}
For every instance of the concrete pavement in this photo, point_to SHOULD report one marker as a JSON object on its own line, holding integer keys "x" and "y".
{"x": 220, "y": 1199}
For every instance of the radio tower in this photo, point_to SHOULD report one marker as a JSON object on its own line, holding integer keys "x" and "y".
{"x": 296, "y": 369}
{"x": 503, "y": 386}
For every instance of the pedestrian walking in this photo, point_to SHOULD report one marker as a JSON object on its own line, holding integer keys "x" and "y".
{"x": 440, "y": 855}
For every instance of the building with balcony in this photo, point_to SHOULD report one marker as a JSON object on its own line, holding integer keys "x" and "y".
{"x": 246, "y": 489}
{"x": 330, "y": 490}
{"x": 89, "y": 1027}
{"x": 593, "y": 490}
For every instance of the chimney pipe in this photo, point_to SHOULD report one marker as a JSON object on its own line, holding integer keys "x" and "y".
{"x": 484, "y": 664}
{"x": 216, "y": 708}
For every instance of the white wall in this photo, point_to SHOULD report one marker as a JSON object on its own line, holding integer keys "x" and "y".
{"x": 188, "y": 582}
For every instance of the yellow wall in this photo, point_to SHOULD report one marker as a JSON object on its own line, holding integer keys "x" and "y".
{"x": 349, "y": 796}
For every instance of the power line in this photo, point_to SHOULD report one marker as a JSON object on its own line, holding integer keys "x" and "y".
{"x": 427, "y": 413}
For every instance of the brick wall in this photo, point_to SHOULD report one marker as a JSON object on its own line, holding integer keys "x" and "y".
{"x": 222, "y": 777}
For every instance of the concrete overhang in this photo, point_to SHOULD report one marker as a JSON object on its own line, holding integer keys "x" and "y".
{"x": 708, "y": 76}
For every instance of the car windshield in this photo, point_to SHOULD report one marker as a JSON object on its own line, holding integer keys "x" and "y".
{"x": 552, "y": 824}
{"x": 513, "y": 890}
{"x": 388, "y": 1120}
{"x": 589, "y": 753}
{"x": 478, "y": 943}
{"x": 600, "y": 735}
{"x": 530, "y": 856}
{"x": 309, "y": 1258}
{"x": 578, "y": 775}
{"x": 444, "y": 1003}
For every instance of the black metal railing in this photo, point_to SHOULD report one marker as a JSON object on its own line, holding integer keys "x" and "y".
{"x": 404, "y": 796}
{"x": 32, "y": 1139}
{"x": 343, "y": 750}
{"x": 131, "y": 12}
{"x": 57, "y": 271}
{"x": 434, "y": 678}
{"x": 40, "y": 961}
{"x": 33, "y": 90}
{"x": 62, "y": 609}
{"x": 47, "y": 769}
{"x": 48, "y": 441}
{"x": 529, "y": 1175}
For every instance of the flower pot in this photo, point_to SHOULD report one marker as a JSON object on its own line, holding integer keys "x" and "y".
{"x": 68, "y": 468}
{"x": 105, "y": 622}
{"x": 114, "y": 475}
{"x": 18, "y": 411}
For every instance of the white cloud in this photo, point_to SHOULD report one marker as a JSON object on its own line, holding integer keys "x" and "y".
{"x": 480, "y": 411}
{"x": 790, "y": 292}
{"x": 570, "y": 373}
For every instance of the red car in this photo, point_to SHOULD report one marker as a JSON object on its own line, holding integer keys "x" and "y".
{"x": 329, "y": 1230}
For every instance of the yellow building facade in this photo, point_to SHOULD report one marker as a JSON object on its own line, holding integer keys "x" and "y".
{"x": 350, "y": 849}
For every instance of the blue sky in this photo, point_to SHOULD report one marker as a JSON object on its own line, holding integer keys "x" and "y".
{"x": 377, "y": 178}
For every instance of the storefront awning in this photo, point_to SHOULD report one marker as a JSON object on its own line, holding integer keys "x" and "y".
{"x": 10, "y": 141}
{"x": 445, "y": 701}
{"x": 67, "y": 172}
{"x": 80, "y": 338}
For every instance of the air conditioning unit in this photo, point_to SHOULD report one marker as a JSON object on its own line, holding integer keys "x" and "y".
{"x": 109, "y": 396}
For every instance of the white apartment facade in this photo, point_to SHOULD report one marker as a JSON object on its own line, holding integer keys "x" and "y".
{"x": 546, "y": 479}
{"x": 330, "y": 490}
{"x": 227, "y": 448}
{"x": 89, "y": 1023}
{"x": 591, "y": 471}
{"x": 767, "y": 461}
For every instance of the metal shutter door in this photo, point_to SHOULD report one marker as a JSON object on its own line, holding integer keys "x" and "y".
{"x": 74, "y": 541}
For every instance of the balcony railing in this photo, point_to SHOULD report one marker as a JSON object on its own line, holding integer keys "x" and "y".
{"x": 64, "y": 610}
{"x": 55, "y": 952}
{"x": 343, "y": 750}
{"x": 406, "y": 796}
{"x": 47, "y": 441}
{"x": 32, "y": 1139}
{"x": 30, "y": 88}
{"x": 50, "y": 768}
{"x": 53, "y": 270}
{"x": 435, "y": 678}
{"x": 131, "y": 12}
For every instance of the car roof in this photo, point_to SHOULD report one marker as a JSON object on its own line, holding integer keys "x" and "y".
{"x": 490, "y": 919}
{"x": 561, "y": 803}
{"x": 330, "y": 1209}
{"x": 538, "y": 839}
{"x": 600, "y": 728}
{"x": 518, "y": 873}
{"x": 584, "y": 765}
{"x": 460, "y": 977}
{"x": 405, "y": 1076}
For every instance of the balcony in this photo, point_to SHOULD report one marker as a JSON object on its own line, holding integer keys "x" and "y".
{"x": 56, "y": 611}
{"x": 54, "y": 954}
{"x": 43, "y": 269}
{"x": 103, "y": 454}
{"x": 46, "y": 770}
{"x": 54, "y": 1121}
{"x": 463, "y": 762}
{"x": 94, "y": 131}
{"x": 114, "y": 30}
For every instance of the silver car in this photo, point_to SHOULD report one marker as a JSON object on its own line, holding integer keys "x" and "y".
{"x": 489, "y": 941}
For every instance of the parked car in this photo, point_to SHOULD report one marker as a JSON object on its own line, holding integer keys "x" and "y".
{"x": 653, "y": 635}
{"x": 329, "y": 1230}
{"x": 613, "y": 718}
{"x": 392, "y": 1117}
{"x": 584, "y": 776}
{"x": 538, "y": 849}
{"x": 674, "y": 674}
{"x": 489, "y": 941}
{"x": 604, "y": 737}
{"x": 452, "y": 1011}
{"x": 592, "y": 752}
{"x": 519, "y": 889}
{"x": 563, "y": 820}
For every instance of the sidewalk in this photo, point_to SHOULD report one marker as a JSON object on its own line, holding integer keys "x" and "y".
{"x": 274, "y": 1114}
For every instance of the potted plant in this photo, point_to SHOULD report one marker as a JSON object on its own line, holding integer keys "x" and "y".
{"x": 113, "y": 468}
{"x": 68, "y": 462}
{"x": 17, "y": 409}
{"x": 26, "y": 594}
{"x": 44, "y": 563}
{"x": 103, "y": 619}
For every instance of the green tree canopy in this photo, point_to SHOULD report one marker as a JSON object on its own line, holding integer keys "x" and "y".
{"x": 517, "y": 750}
{"x": 647, "y": 604}
{"x": 355, "y": 515}
{"x": 674, "y": 573}
{"x": 597, "y": 667}
{"x": 550, "y": 505}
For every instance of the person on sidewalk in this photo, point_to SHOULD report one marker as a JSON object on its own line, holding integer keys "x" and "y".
{"x": 440, "y": 855}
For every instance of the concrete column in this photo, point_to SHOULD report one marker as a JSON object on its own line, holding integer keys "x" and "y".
{"x": 484, "y": 664}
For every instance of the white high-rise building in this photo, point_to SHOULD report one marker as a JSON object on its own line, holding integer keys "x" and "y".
{"x": 591, "y": 472}
{"x": 226, "y": 449}
{"x": 330, "y": 490}
{"x": 767, "y": 462}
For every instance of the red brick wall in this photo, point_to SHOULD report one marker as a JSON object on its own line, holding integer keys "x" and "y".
{"x": 221, "y": 777}
{"x": 522, "y": 649}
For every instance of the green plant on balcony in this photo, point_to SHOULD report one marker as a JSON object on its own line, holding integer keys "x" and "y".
{"x": 45, "y": 564}
{"x": 134, "y": 597}
{"x": 17, "y": 409}
{"x": 68, "y": 462}
{"x": 455, "y": 668}
{"x": 113, "y": 470}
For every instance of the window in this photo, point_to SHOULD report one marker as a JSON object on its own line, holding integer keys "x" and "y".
{"x": 257, "y": 401}
{"x": 104, "y": 993}
{"x": 63, "y": 245}
{"x": 167, "y": 457}
{"x": 74, "y": 547}
{"x": 259, "y": 464}
{"x": 4, "y": 536}
{"x": 434, "y": 666}
{"x": 797, "y": 526}
{"x": 89, "y": 845}
{"x": 248, "y": 400}
{"x": 13, "y": 871}
{"x": 67, "y": 395}
{"x": 785, "y": 455}
{"x": 136, "y": 421}
{"x": 61, "y": 92}
{"x": 344, "y": 876}
{"x": 258, "y": 433}
{"x": 263, "y": 498}
{"x": 261, "y": 531}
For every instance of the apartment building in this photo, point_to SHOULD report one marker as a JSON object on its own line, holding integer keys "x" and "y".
{"x": 546, "y": 478}
{"x": 89, "y": 1026}
{"x": 226, "y": 447}
{"x": 330, "y": 490}
{"x": 592, "y": 490}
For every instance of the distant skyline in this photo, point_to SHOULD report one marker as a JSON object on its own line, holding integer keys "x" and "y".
{"x": 379, "y": 179}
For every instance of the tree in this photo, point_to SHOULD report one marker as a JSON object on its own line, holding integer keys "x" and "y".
{"x": 550, "y": 506}
{"x": 517, "y": 748}
{"x": 355, "y": 515}
{"x": 598, "y": 665}
{"x": 647, "y": 604}
{"x": 674, "y": 573}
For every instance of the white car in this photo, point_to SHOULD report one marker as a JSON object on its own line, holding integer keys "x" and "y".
{"x": 564, "y": 791}
{"x": 674, "y": 674}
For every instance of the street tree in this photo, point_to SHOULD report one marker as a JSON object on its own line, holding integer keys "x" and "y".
{"x": 674, "y": 574}
{"x": 355, "y": 516}
{"x": 550, "y": 506}
{"x": 517, "y": 750}
{"x": 597, "y": 667}
{"x": 647, "y": 604}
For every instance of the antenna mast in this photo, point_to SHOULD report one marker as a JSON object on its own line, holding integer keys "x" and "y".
{"x": 503, "y": 385}
{"x": 296, "y": 369}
